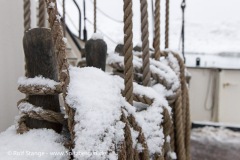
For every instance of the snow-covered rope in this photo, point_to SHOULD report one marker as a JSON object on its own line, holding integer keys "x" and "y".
{"x": 39, "y": 113}
{"x": 39, "y": 86}
{"x": 183, "y": 122}
{"x": 28, "y": 110}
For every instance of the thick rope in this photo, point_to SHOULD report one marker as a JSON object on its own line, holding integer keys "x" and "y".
{"x": 40, "y": 114}
{"x": 27, "y": 21}
{"x": 22, "y": 128}
{"x": 34, "y": 112}
{"x": 95, "y": 15}
{"x": 179, "y": 130}
{"x": 60, "y": 46}
{"x": 156, "y": 41}
{"x": 185, "y": 103}
{"x": 41, "y": 13}
{"x": 167, "y": 126}
{"x": 145, "y": 43}
{"x": 40, "y": 90}
{"x": 167, "y": 25}
{"x": 27, "y": 14}
{"x": 144, "y": 155}
{"x": 128, "y": 153}
{"x": 128, "y": 47}
{"x": 157, "y": 77}
{"x": 187, "y": 127}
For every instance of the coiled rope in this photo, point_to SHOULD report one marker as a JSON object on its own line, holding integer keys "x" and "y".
{"x": 128, "y": 47}
{"x": 145, "y": 43}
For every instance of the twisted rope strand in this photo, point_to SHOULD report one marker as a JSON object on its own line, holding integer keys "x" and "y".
{"x": 145, "y": 43}
{"x": 95, "y": 16}
{"x": 185, "y": 102}
{"x": 128, "y": 47}
{"x": 41, "y": 13}
{"x": 156, "y": 41}
{"x": 27, "y": 14}
{"x": 27, "y": 21}
{"x": 187, "y": 125}
{"x": 167, "y": 126}
{"x": 179, "y": 132}
{"x": 167, "y": 25}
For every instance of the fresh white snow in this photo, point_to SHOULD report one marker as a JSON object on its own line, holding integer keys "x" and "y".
{"x": 37, "y": 81}
{"x": 36, "y": 144}
{"x": 96, "y": 36}
{"x": 216, "y": 134}
{"x": 97, "y": 98}
{"x": 26, "y": 107}
{"x": 156, "y": 67}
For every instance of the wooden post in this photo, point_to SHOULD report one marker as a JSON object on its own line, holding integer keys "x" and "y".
{"x": 119, "y": 49}
{"x": 41, "y": 60}
{"x": 96, "y": 51}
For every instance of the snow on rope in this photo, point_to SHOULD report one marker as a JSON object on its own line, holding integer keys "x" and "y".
{"x": 37, "y": 81}
{"x": 162, "y": 70}
{"x": 39, "y": 85}
{"x": 96, "y": 97}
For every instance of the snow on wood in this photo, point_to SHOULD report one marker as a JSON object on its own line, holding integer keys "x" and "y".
{"x": 96, "y": 36}
{"x": 35, "y": 144}
{"x": 215, "y": 143}
{"x": 37, "y": 81}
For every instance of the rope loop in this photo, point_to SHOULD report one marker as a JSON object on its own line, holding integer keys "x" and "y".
{"x": 29, "y": 110}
